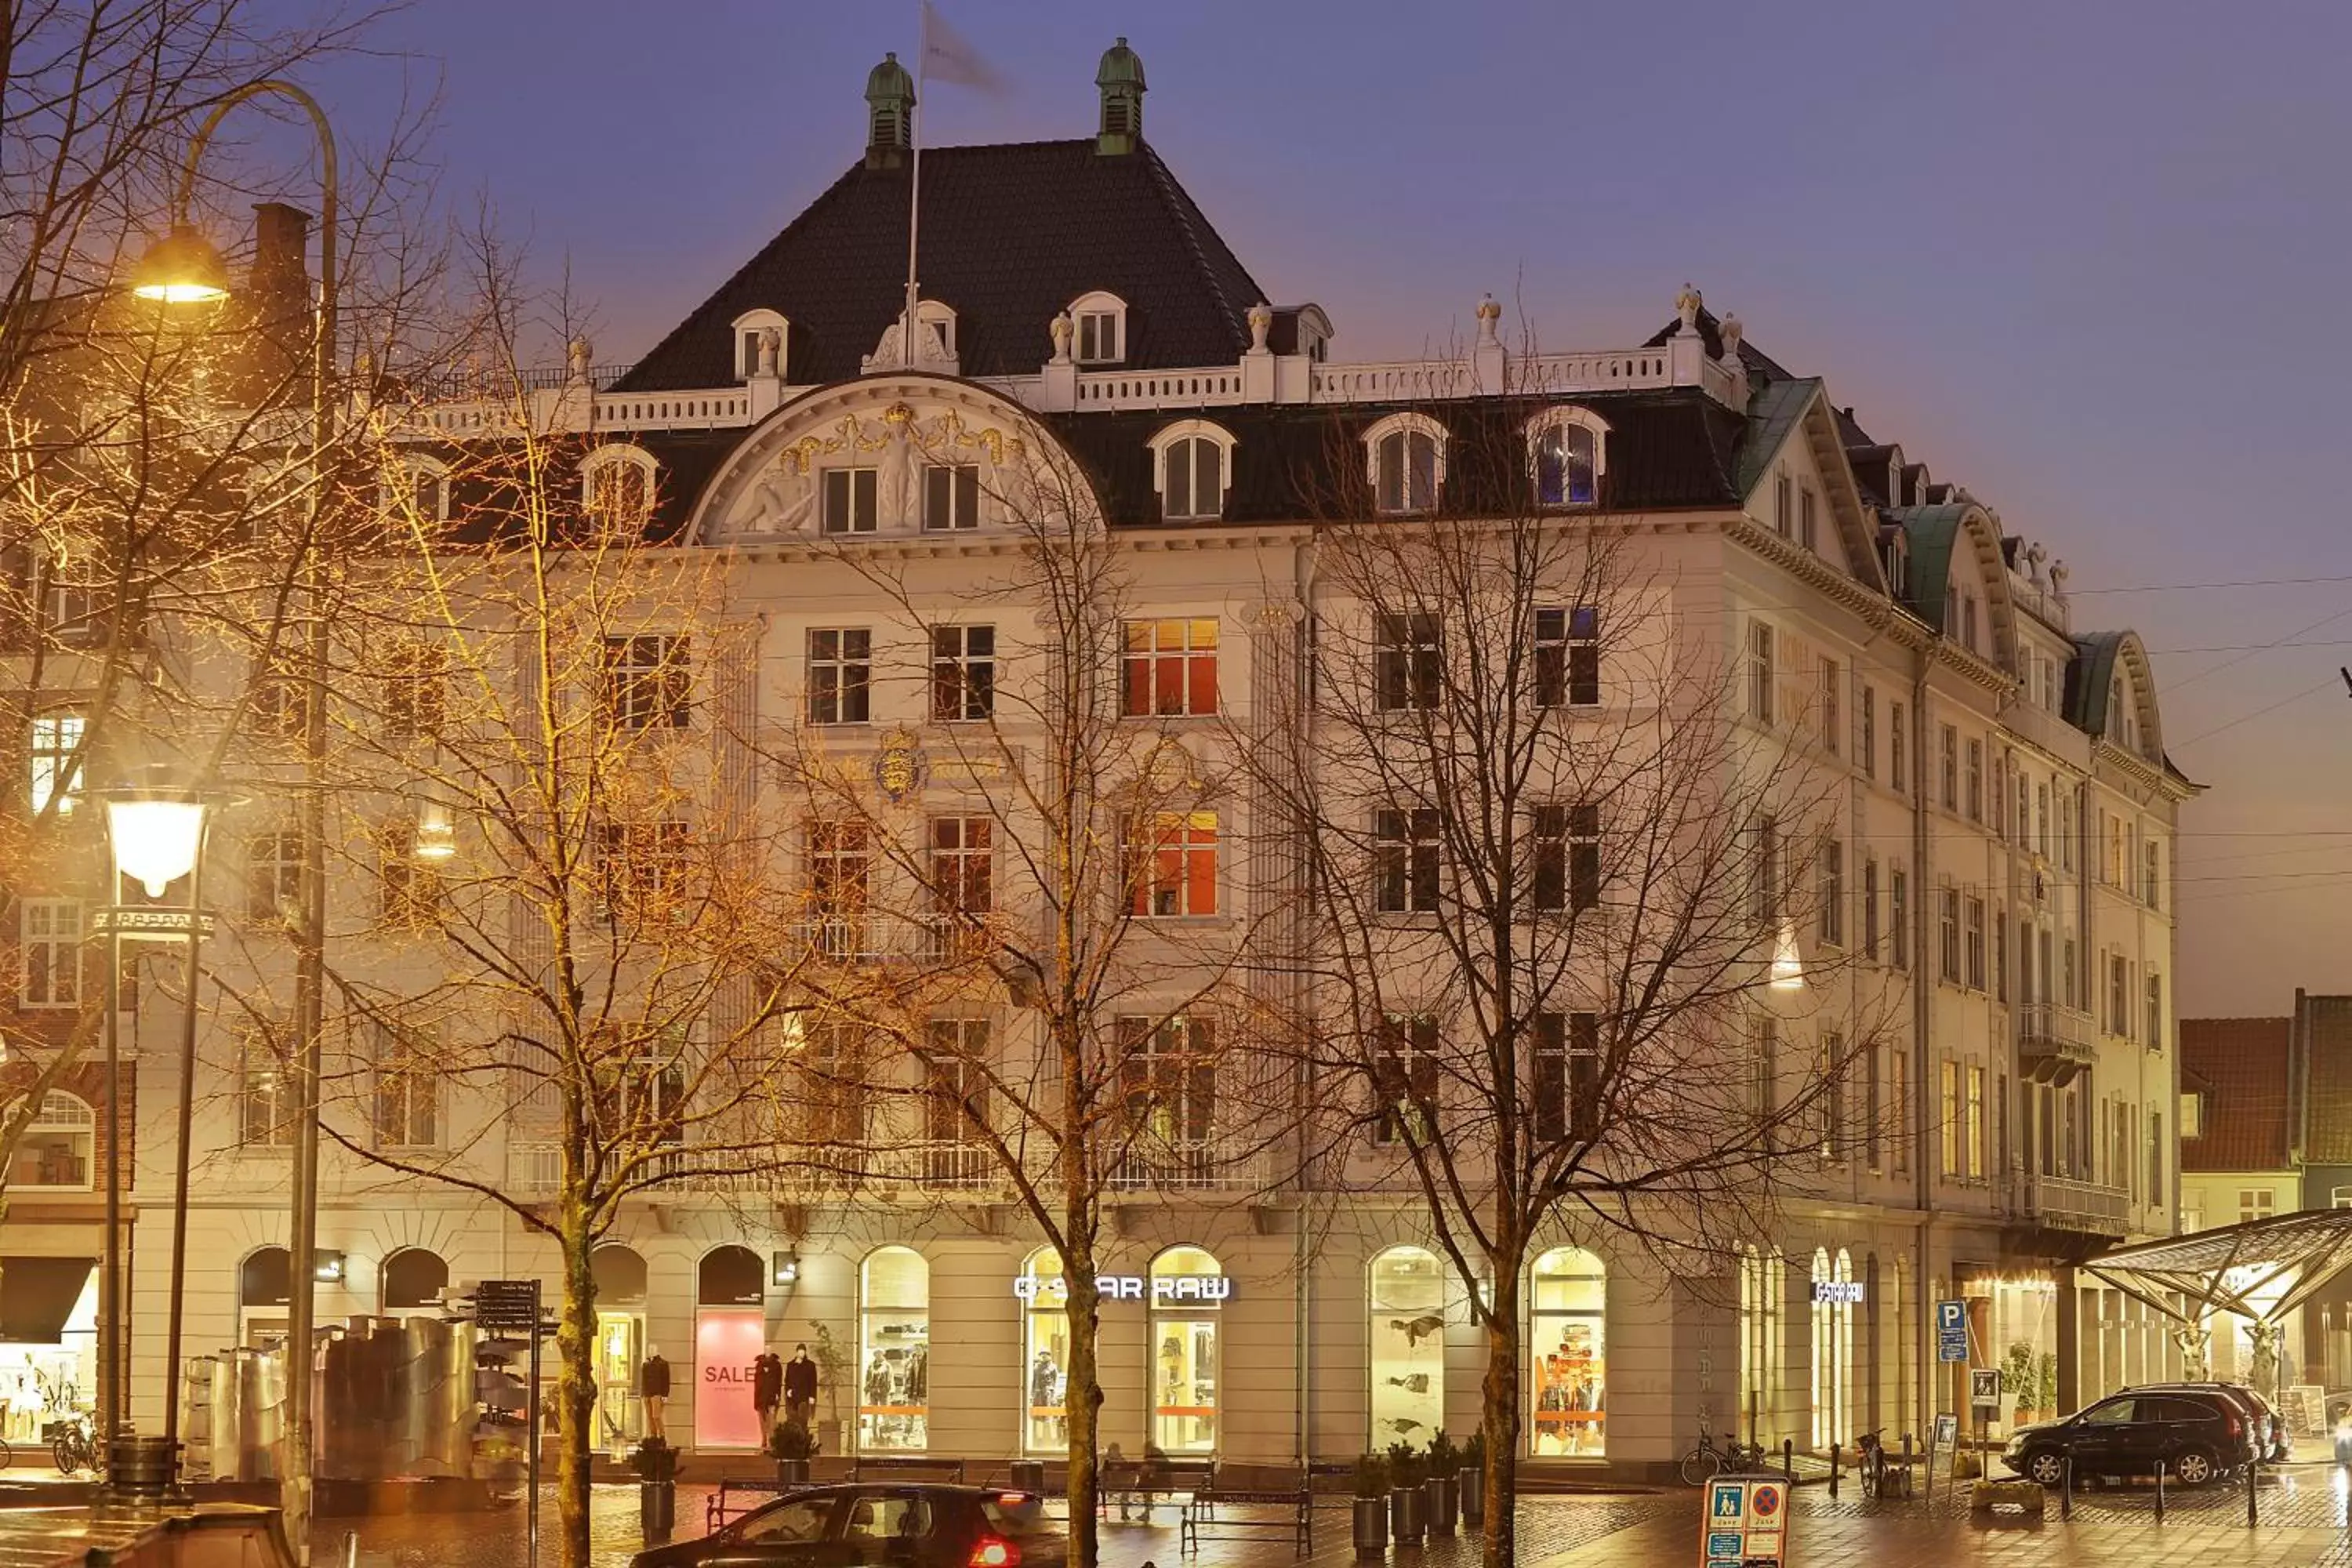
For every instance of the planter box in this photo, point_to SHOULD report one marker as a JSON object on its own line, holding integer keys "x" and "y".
{"x": 1371, "y": 1526}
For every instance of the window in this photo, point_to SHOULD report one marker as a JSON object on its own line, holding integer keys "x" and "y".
{"x": 1869, "y": 741}
{"x": 956, "y": 1116}
{"x": 1976, "y": 944}
{"x": 408, "y": 890}
{"x": 1949, "y": 1160}
{"x": 1406, "y": 860}
{"x": 1874, "y": 1108}
{"x": 2255, "y": 1202}
{"x": 1975, "y": 780}
{"x": 1833, "y": 877}
{"x": 1948, "y": 933}
{"x": 649, "y": 681}
{"x": 1045, "y": 1297}
{"x": 420, "y": 494}
{"x": 1951, "y": 767}
{"x": 1899, "y": 1077}
{"x": 1568, "y": 1365}
{"x": 2156, "y": 1158}
{"x": 839, "y": 861}
{"x": 2154, "y": 1034}
{"x": 1896, "y": 742}
{"x": 641, "y": 868}
{"x": 266, "y": 1108}
{"x": 58, "y": 1146}
{"x": 1832, "y": 714}
{"x": 963, "y": 672}
{"x": 277, "y": 705}
{"x": 57, "y": 762}
{"x": 833, "y": 1086}
{"x": 619, "y": 488}
{"x": 1185, "y": 1367}
{"x": 2192, "y": 1115}
{"x": 2001, "y": 956}
{"x": 1972, "y": 1133}
{"x": 1407, "y": 453}
{"x": 1168, "y": 1092}
{"x": 1806, "y": 534}
{"x": 951, "y": 497}
{"x": 1192, "y": 479}
{"x": 49, "y": 935}
{"x": 1898, "y": 915}
{"x": 1763, "y": 1064}
{"x": 1169, "y": 668}
{"x": 408, "y": 1092}
{"x": 1760, "y": 678}
{"x": 416, "y": 691}
{"x": 840, "y": 674}
{"x": 1174, "y": 865}
{"x": 849, "y": 500}
{"x": 1098, "y": 337}
{"x": 1870, "y": 907}
{"x": 962, "y": 874}
{"x": 1405, "y": 1077}
{"x": 1408, "y": 1346}
{"x": 1784, "y": 507}
{"x": 2152, "y": 858}
{"x": 894, "y": 1396}
{"x": 2118, "y": 995}
{"x": 1830, "y": 1112}
{"x": 1567, "y": 1077}
{"x": 1405, "y": 660}
{"x": 1568, "y": 657}
{"x": 1565, "y": 857}
{"x": 273, "y": 875}
{"x": 1567, "y": 464}
{"x": 1764, "y": 873}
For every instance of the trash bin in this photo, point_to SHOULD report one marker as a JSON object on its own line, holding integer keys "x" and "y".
{"x": 656, "y": 1464}
{"x": 1029, "y": 1476}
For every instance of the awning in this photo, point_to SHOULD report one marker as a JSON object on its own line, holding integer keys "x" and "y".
{"x": 38, "y": 1295}
{"x": 2295, "y": 1254}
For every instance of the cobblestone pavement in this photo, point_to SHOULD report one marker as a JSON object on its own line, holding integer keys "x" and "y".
{"x": 2303, "y": 1525}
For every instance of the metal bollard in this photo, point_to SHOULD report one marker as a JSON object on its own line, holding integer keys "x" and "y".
{"x": 2254, "y": 1479}
{"x": 1906, "y": 1464}
{"x": 2159, "y": 1491}
{"x": 1789, "y": 1459}
{"x": 1834, "y": 1470}
{"x": 2066, "y": 1489}
{"x": 351, "y": 1548}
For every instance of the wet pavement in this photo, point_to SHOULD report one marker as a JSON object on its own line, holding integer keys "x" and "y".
{"x": 2302, "y": 1524}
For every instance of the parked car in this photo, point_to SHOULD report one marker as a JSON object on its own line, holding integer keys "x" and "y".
{"x": 2273, "y": 1440}
{"x": 877, "y": 1526}
{"x": 2199, "y": 1435}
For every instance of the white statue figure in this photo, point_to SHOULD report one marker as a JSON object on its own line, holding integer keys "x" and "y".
{"x": 583, "y": 353}
{"x": 1261, "y": 323}
{"x": 1490, "y": 318}
{"x": 1687, "y": 305}
{"x": 771, "y": 350}
{"x": 2058, "y": 578}
{"x": 1060, "y": 329}
{"x": 1732, "y": 332}
{"x": 2034, "y": 556}
{"x": 776, "y": 502}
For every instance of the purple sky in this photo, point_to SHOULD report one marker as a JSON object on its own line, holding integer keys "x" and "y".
{"x": 2082, "y": 258}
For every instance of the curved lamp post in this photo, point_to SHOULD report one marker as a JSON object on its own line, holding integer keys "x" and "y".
{"x": 155, "y": 836}
{"x": 183, "y": 268}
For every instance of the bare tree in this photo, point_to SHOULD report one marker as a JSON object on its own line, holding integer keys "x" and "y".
{"x": 1558, "y": 880}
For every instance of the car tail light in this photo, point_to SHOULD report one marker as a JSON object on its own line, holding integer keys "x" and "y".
{"x": 994, "y": 1552}
{"x": 2237, "y": 1429}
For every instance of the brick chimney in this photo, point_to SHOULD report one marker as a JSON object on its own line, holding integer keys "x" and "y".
{"x": 276, "y": 305}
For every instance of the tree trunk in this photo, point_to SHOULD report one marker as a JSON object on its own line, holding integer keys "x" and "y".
{"x": 1082, "y": 1400}
{"x": 1498, "y": 1398}
{"x": 575, "y": 1349}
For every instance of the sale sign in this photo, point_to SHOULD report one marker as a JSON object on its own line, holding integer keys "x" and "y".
{"x": 727, "y": 1341}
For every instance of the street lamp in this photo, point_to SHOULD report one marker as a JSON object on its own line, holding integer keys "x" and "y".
{"x": 155, "y": 836}
{"x": 183, "y": 268}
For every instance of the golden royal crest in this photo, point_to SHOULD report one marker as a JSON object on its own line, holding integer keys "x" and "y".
{"x": 899, "y": 765}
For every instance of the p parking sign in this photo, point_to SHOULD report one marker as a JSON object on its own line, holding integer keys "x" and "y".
{"x": 1951, "y": 1330}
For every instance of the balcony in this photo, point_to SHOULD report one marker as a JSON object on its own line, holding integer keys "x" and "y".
{"x": 2057, "y": 1203}
{"x": 2055, "y": 1043}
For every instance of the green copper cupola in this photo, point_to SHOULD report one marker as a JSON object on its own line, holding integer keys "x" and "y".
{"x": 1120, "y": 77}
{"x": 889, "y": 113}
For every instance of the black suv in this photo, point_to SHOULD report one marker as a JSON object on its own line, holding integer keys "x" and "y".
{"x": 879, "y": 1526}
{"x": 2198, "y": 1434}
{"x": 2270, "y": 1437}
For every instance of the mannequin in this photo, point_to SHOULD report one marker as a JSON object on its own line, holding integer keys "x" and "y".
{"x": 653, "y": 1382}
{"x": 800, "y": 1386}
{"x": 767, "y": 1389}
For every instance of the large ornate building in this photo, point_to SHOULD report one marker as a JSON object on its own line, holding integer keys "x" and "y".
{"x": 1993, "y": 877}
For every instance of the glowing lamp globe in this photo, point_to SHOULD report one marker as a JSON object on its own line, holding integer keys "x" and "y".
{"x": 182, "y": 269}
{"x": 156, "y": 839}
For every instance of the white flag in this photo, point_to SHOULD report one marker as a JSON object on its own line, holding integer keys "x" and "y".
{"x": 946, "y": 56}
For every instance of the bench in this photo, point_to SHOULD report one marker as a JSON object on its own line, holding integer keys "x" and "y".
{"x": 1280, "y": 1487}
{"x": 907, "y": 1469}
{"x": 1142, "y": 1481}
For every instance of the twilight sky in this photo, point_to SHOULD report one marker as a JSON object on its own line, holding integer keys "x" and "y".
{"x": 2084, "y": 258}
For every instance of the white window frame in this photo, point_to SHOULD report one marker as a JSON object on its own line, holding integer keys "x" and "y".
{"x": 959, "y": 516}
{"x": 1406, "y": 423}
{"x": 1192, "y": 430}
{"x": 54, "y": 770}
{"x": 853, "y": 522}
{"x": 53, "y": 928}
{"x": 611, "y": 455}
{"x": 70, "y": 1115}
{"x": 414, "y": 468}
{"x": 1098, "y": 304}
{"x": 1566, "y": 415}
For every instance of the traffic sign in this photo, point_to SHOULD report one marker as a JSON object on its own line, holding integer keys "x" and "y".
{"x": 1984, "y": 1386}
{"x": 1951, "y": 1330}
{"x": 1747, "y": 1524}
{"x": 507, "y": 1305}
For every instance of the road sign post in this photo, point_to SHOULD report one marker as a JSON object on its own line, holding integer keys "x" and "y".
{"x": 1952, "y": 1330}
{"x": 1745, "y": 1525}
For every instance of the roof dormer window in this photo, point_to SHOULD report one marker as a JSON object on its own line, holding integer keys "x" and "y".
{"x": 418, "y": 491}
{"x": 1099, "y": 320}
{"x": 616, "y": 485}
{"x": 1567, "y": 454}
{"x": 753, "y": 346}
{"x": 1191, "y": 464}
{"x": 1406, "y": 456}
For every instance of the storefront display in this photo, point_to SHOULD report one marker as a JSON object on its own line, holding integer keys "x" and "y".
{"x": 1567, "y": 1325}
{"x": 1408, "y": 1346}
{"x": 1834, "y": 1294}
{"x": 1045, "y": 1354}
{"x": 620, "y": 1345}
{"x": 48, "y": 1336}
{"x": 1184, "y": 1365}
{"x": 731, "y": 1330}
{"x": 894, "y": 1352}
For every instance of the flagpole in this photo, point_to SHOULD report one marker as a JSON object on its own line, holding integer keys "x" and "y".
{"x": 915, "y": 181}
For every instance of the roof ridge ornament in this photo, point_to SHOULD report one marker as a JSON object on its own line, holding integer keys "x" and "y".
{"x": 1688, "y": 305}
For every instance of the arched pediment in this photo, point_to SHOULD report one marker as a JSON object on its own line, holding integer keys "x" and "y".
{"x": 1961, "y": 536}
{"x": 890, "y": 430}
{"x": 2104, "y": 664}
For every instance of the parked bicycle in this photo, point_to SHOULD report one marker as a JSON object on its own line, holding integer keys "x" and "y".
{"x": 1870, "y": 1461}
{"x": 1709, "y": 1460}
{"x": 70, "y": 1445}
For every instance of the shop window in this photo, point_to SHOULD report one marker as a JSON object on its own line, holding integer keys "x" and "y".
{"x": 58, "y": 1146}
{"x": 1046, "y": 1354}
{"x": 1568, "y": 1345}
{"x": 263, "y": 1287}
{"x": 894, "y": 1352}
{"x": 414, "y": 1280}
{"x": 1408, "y": 1346}
{"x": 730, "y": 1331}
{"x": 1761, "y": 1344}
{"x": 1832, "y": 1348}
{"x": 1184, "y": 1365}
{"x": 621, "y": 1347}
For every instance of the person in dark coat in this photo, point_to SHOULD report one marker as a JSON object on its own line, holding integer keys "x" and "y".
{"x": 653, "y": 1382}
{"x": 767, "y": 1389}
{"x": 800, "y": 1386}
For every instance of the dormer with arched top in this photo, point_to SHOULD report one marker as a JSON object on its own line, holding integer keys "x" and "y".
{"x": 2111, "y": 694}
{"x": 756, "y": 351}
{"x": 1959, "y": 578}
{"x": 616, "y": 483}
{"x": 1097, "y": 328}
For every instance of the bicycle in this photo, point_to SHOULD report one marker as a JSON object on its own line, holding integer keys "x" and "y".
{"x": 1705, "y": 1461}
{"x": 1869, "y": 1462}
{"x": 71, "y": 1447}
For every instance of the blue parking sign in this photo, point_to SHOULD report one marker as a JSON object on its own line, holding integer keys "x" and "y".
{"x": 1951, "y": 1330}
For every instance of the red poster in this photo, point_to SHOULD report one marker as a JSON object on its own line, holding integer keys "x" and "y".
{"x": 726, "y": 1339}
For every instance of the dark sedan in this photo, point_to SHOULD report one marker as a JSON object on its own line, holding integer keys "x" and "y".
{"x": 2196, "y": 1434}
{"x": 879, "y": 1526}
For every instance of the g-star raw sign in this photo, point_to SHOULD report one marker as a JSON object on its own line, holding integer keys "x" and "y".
{"x": 1205, "y": 1289}
{"x": 1838, "y": 1292}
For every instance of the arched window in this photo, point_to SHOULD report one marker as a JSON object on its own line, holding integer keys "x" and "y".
{"x": 1833, "y": 1294}
{"x": 414, "y": 1280}
{"x": 1408, "y": 1346}
{"x": 893, "y": 1347}
{"x": 58, "y": 1147}
{"x": 1567, "y": 1352}
{"x": 617, "y": 486}
{"x": 1184, "y": 1362}
{"x": 731, "y": 1276}
{"x": 265, "y": 1280}
{"x": 1045, "y": 1352}
{"x": 621, "y": 1347}
{"x": 1407, "y": 456}
{"x": 418, "y": 491}
{"x": 1566, "y": 453}
{"x": 1192, "y": 466}
{"x": 1099, "y": 320}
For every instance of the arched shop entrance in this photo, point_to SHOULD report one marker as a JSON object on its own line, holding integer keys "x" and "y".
{"x": 621, "y": 1347}
{"x": 1185, "y": 1351}
{"x": 1407, "y": 1340}
{"x": 893, "y": 1347}
{"x": 1568, "y": 1354}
